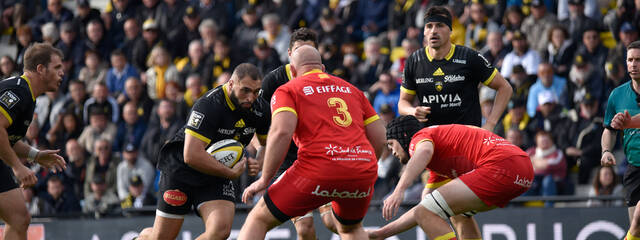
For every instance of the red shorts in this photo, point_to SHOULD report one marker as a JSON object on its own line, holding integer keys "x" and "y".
{"x": 293, "y": 195}
{"x": 499, "y": 180}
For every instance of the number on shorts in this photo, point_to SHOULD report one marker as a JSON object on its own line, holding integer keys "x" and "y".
{"x": 344, "y": 120}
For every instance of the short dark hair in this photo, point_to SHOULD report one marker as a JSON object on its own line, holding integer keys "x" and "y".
{"x": 117, "y": 52}
{"x": 40, "y": 53}
{"x": 634, "y": 45}
{"x": 247, "y": 69}
{"x": 303, "y": 34}
{"x": 437, "y": 10}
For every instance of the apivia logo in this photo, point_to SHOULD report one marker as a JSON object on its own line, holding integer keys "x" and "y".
{"x": 308, "y": 90}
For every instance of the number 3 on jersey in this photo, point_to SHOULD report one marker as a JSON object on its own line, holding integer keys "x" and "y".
{"x": 344, "y": 120}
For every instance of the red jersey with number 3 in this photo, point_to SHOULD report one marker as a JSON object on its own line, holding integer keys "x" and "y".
{"x": 459, "y": 149}
{"x": 330, "y": 134}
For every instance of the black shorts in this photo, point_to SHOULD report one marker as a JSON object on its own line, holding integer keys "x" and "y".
{"x": 177, "y": 197}
{"x": 631, "y": 183}
{"x": 7, "y": 181}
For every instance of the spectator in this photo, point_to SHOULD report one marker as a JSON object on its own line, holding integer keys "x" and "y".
{"x": 246, "y": 34}
{"x": 76, "y": 168}
{"x": 24, "y": 34}
{"x": 479, "y": 26}
{"x": 94, "y": 69}
{"x": 373, "y": 65}
{"x": 264, "y": 57}
{"x": 56, "y": 200}
{"x": 68, "y": 126}
{"x": 33, "y": 202}
{"x": 577, "y": 22}
{"x": 194, "y": 91}
{"x": 547, "y": 81}
{"x": 102, "y": 163}
{"x": 171, "y": 15}
{"x": 161, "y": 71}
{"x": 580, "y": 140}
{"x": 131, "y": 129}
{"x": 71, "y": 44}
{"x": 122, "y": 10}
{"x": 521, "y": 82}
{"x": 521, "y": 55}
{"x": 560, "y": 50}
{"x": 516, "y": 117}
{"x": 330, "y": 28}
{"x": 517, "y": 137}
{"x": 397, "y": 68}
{"x": 45, "y": 105}
{"x": 222, "y": 61}
{"x": 605, "y": 183}
{"x": 173, "y": 92}
{"x": 209, "y": 32}
{"x": 134, "y": 92}
{"x": 486, "y": 96}
{"x": 618, "y": 55}
{"x": 85, "y": 14}
{"x": 549, "y": 167}
{"x": 370, "y": 18}
{"x": 8, "y": 67}
{"x": 550, "y": 117}
{"x": 102, "y": 200}
{"x": 74, "y": 103}
{"x": 136, "y": 196}
{"x": 276, "y": 34}
{"x": 195, "y": 63}
{"x": 142, "y": 48}
{"x": 584, "y": 78}
{"x": 186, "y": 32}
{"x": 537, "y": 26}
{"x": 131, "y": 165}
{"x": 494, "y": 51}
{"x": 512, "y": 21}
{"x": 157, "y": 134}
{"x": 593, "y": 50}
{"x": 330, "y": 56}
{"x": 99, "y": 127}
{"x": 55, "y": 13}
{"x": 402, "y": 14}
{"x": 101, "y": 99}
{"x": 385, "y": 92}
{"x": 98, "y": 40}
{"x": 120, "y": 71}
{"x": 220, "y": 11}
{"x": 50, "y": 33}
{"x": 149, "y": 9}
{"x": 131, "y": 36}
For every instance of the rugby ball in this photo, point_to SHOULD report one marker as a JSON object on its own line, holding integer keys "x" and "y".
{"x": 227, "y": 151}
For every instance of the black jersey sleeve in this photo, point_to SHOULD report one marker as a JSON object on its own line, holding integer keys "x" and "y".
{"x": 12, "y": 103}
{"x": 269, "y": 85}
{"x": 483, "y": 71}
{"x": 264, "y": 120}
{"x": 203, "y": 120}
{"x": 408, "y": 75}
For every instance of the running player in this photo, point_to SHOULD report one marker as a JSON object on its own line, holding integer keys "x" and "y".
{"x": 190, "y": 177}
{"x": 42, "y": 73}
{"x": 339, "y": 136}
{"x": 273, "y": 80}
{"x": 486, "y": 171}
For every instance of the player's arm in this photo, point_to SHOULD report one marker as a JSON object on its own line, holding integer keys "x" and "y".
{"x": 254, "y": 165}
{"x": 624, "y": 120}
{"x": 405, "y": 103}
{"x": 607, "y": 143}
{"x": 197, "y": 157}
{"x": 503, "y": 94}
{"x": 9, "y": 156}
{"x": 283, "y": 126}
{"x": 376, "y": 133}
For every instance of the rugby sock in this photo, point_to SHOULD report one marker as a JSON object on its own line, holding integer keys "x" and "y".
{"x": 448, "y": 236}
{"x": 631, "y": 237}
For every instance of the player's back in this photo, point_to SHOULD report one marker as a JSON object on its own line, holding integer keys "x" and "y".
{"x": 332, "y": 115}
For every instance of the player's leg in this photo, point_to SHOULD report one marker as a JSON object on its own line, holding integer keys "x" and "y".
{"x": 349, "y": 212}
{"x": 175, "y": 202}
{"x": 304, "y": 226}
{"x": 165, "y": 226}
{"x": 466, "y": 227}
{"x": 631, "y": 182}
{"x": 14, "y": 212}
{"x": 217, "y": 216}
{"x": 258, "y": 223}
{"x": 449, "y": 200}
{"x": 353, "y": 231}
{"x": 327, "y": 217}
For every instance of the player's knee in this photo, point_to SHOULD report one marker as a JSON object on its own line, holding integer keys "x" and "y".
{"x": 19, "y": 221}
{"x": 218, "y": 234}
{"x": 329, "y": 223}
{"x": 304, "y": 227}
{"x": 345, "y": 229}
{"x": 435, "y": 203}
{"x": 145, "y": 234}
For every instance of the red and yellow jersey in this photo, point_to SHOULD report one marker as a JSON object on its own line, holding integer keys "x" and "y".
{"x": 330, "y": 134}
{"x": 459, "y": 149}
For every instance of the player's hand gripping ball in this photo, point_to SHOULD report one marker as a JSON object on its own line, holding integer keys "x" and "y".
{"x": 227, "y": 152}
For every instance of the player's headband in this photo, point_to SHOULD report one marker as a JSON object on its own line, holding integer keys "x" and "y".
{"x": 402, "y": 129}
{"x": 439, "y": 18}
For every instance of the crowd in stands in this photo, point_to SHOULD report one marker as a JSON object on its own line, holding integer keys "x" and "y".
{"x": 134, "y": 69}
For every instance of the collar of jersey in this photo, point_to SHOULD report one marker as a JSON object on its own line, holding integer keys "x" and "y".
{"x": 447, "y": 57}
{"x": 312, "y": 71}
{"x": 226, "y": 97}
{"x": 33, "y": 97}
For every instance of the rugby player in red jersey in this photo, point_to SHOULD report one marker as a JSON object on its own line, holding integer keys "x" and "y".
{"x": 339, "y": 137}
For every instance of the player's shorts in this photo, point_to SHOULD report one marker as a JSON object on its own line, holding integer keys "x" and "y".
{"x": 631, "y": 183}
{"x": 177, "y": 198}
{"x": 293, "y": 195}
{"x": 7, "y": 181}
{"x": 499, "y": 180}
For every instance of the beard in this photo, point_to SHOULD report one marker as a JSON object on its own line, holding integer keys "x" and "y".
{"x": 236, "y": 102}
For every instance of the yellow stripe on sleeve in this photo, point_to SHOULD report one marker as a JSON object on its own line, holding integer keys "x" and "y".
{"x": 6, "y": 115}
{"x": 447, "y": 236}
{"x": 436, "y": 184}
{"x": 197, "y": 135}
{"x": 490, "y": 79}
{"x": 371, "y": 119}
{"x": 288, "y": 109}
{"x": 408, "y": 91}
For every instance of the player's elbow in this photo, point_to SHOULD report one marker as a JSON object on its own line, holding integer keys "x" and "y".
{"x": 376, "y": 133}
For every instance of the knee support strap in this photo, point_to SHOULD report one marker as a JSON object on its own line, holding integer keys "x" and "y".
{"x": 435, "y": 203}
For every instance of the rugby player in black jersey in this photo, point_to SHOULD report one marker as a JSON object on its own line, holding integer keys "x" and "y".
{"x": 42, "y": 73}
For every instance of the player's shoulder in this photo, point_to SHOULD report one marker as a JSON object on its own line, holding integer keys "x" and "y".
{"x": 463, "y": 52}
{"x": 418, "y": 55}
{"x": 214, "y": 96}
{"x": 278, "y": 74}
{"x": 622, "y": 88}
{"x": 17, "y": 86}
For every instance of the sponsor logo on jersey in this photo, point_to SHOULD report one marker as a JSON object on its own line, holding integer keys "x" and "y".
{"x": 438, "y": 72}
{"x": 9, "y": 99}
{"x": 27, "y": 122}
{"x": 174, "y": 197}
{"x": 526, "y": 183}
{"x": 460, "y": 61}
{"x": 333, "y": 150}
{"x": 308, "y": 90}
{"x": 273, "y": 100}
{"x": 439, "y": 86}
{"x": 343, "y": 194}
{"x": 453, "y": 78}
{"x": 228, "y": 189}
{"x": 424, "y": 80}
{"x": 441, "y": 98}
{"x": 195, "y": 120}
{"x": 14, "y": 138}
{"x": 226, "y": 131}
{"x": 486, "y": 62}
{"x": 333, "y": 89}
{"x": 248, "y": 131}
